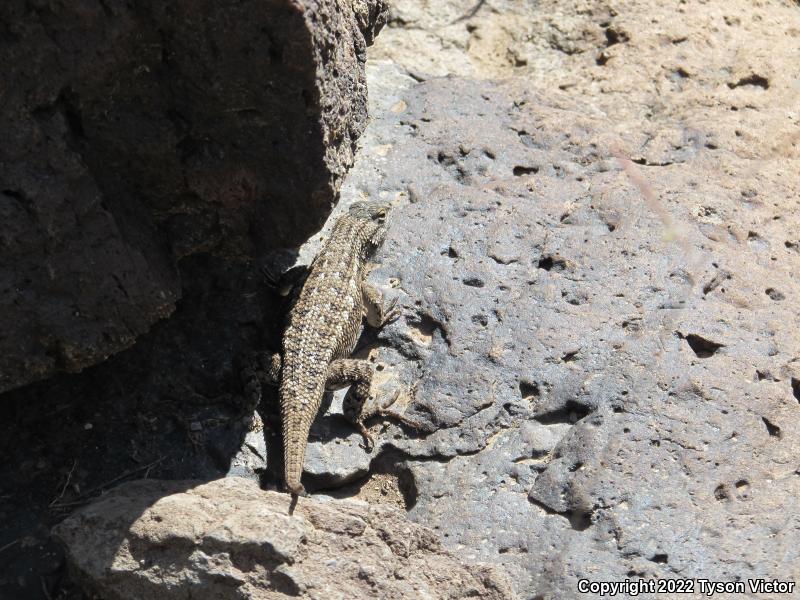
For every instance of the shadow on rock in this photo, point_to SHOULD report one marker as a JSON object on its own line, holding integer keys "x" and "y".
{"x": 170, "y": 408}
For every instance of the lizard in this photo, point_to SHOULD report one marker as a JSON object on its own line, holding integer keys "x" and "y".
{"x": 323, "y": 326}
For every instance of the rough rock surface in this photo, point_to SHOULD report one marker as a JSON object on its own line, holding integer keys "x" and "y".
{"x": 604, "y": 352}
{"x": 598, "y": 264}
{"x": 136, "y": 135}
{"x": 229, "y": 539}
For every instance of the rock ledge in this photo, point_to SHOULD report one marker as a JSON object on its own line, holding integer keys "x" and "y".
{"x": 230, "y": 539}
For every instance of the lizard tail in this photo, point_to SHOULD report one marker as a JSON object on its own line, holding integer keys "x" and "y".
{"x": 292, "y": 504}
{"x": 295, "y": 488}
{"x": 294, "y": 456}
{"x": 296, "y": 426}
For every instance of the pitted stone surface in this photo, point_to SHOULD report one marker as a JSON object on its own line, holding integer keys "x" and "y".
{"x": 604, "y": 375}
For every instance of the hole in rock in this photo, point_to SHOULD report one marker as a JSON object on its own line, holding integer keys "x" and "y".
{"x": 520, "y": 171}
{"x": 528, "y": 389}
{"x": 772, "y": 429}
{"x": 579, "y": 520}
{"x": 473, "y": 282}
{"x": 774, "y": 294}
{"x": 552, "y": 263}
{"x": 721, "y": 492}
{"x": 571, "y": 413}
{"x": 702, "y": 347}
{"x": 480, "y": 320}
{"x": 754, "y": 80}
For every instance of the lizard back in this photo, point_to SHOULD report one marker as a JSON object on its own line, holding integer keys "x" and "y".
{"x": 323, "y": 325}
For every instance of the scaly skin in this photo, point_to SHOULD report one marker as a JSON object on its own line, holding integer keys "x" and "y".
{"x": 323, "y": 327}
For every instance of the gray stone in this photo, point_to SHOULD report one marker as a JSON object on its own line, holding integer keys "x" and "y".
{"x": 582, "y": 355}
{"x": 229, "y": 539}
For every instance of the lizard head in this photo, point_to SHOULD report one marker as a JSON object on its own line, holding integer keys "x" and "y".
{"x": 371, "y": 217}
{"x": 375, "y": 210}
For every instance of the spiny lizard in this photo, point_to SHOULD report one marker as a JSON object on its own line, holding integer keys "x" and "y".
{"x": 323, "y": 326}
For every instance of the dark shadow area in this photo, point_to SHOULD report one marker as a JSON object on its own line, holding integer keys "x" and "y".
{"x": 168, "y": 408}
{"x": 569, "y": 414}
{"x": 702, "y": 347}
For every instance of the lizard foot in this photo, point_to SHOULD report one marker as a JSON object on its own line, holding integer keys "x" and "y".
{"x": 385, "y": 411}
{"x": 369, "y": 441}
{"x": 393, "y": 414}
{"x": 392, "y": 313}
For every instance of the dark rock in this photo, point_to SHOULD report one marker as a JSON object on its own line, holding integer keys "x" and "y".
{"x": 134, "y": 135}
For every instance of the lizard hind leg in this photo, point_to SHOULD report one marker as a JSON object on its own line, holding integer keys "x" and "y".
{"x": 259, "y": 368}
{"x": 358, "y": 375}
{"x": 358, "y": 404}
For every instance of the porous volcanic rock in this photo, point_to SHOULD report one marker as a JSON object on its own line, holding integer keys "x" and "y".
{"x": 137, "y": 134}
{"x": 601, "y": 352}
{"x": 229, "y": 539}
{"x": 628, "y": 198}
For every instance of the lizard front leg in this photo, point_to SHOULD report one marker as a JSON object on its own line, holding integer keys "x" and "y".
{"x": 377, "y": 316}
{"x": 358, "y": 405}
{"x": 285, "y": 283}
